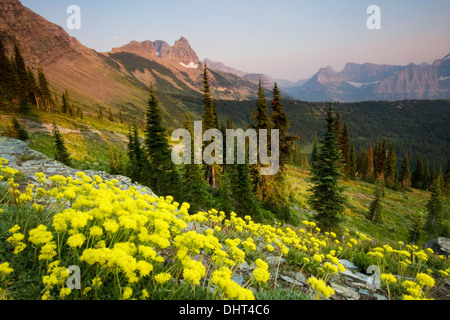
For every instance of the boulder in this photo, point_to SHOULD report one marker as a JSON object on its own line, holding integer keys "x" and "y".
{"x": 439, "y": 245}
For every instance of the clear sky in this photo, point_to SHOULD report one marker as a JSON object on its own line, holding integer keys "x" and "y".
{"x": 286, "y": 39}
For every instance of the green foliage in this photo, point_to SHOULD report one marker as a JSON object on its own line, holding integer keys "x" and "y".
{"x": 376, "y": 207}
{"x": 327, "y": 197}
{"x": 61, "y": 153}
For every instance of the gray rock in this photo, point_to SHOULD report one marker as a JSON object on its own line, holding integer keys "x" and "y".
{"x": 345, "y": 292}
{"x": 238, "y": 279}
{"x": 379, "y": 296}
{"x": 358, "y": 277}
{"x": 439, "y": 245}
{"x": 274, "y": 260}
{"x": 348, "y": 264}
{"x": 246, "y": 267}
{"x": 290, "y": 280}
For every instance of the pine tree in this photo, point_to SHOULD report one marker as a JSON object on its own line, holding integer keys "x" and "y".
{"x": 210, "y": 121}
{"x": 261, "y": 120}
{"x": 22, "y": 77}
{"x": 391, "y": 167}
{"x": 18, "y": 131}
{"x": 416, "y": 230}
{"x": 351, "y": 171}
{"x": 344, "y": 141}
{"x": 426, "y": 176}
{"x": 65, "y": 103}
{"x": 8, "y": 81}
{"x": 447, "y": 178}
{"x": 405, "y": 174}
{"x": 314, "y": 152}
{"x": 435, "y": 208}
{"x": 195, "y": 189}
{"x": 246, "y": 202}
{"x": 44, "y": 91}
{"x": 380, "y": 159}
{"x": 327, "y": 197}
{"x": 120, "y": 117}
{"x": 136, "y": 158}
{"x": 376, "y": 207}
{"x": 61, "y": 154}
{"x": 225, "y": 193}
{"x": 164, "y": 176}
{"x": 371, "y": 162}
{"x": 110, "y": 115}
{"x": 417, "y": 175}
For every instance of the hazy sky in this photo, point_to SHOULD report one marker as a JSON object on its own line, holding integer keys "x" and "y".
{"x": 287, "y": 39}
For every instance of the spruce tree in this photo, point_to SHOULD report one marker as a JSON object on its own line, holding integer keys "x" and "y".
{"x": 314, "y": 152}
{"x": 376, "y": 207}
{"x": 195, "y": 189}
{"x": 344, "y": 140}
{"x": 261, "y": 120}
{"x": 210, "y": 121}
{"x": 18, "y": 131}
{"x": 44, "y": 91}
{"x": 327, "y": 198}
{"x": 417, "y": 175}
{"x": 22, "y": 78}
{"x": 164, "y": 175}
{"x": 246, "y": 201}
{"x": 405, "y": 174}
{"x": 225, "y": 193}
{"x": 138, "y": 166}
{"x": 61, "y": 154}
{"x": 391, "y": 167}
{"x": 435, "y": 208}
{"x": 8, "y": 83}
{"x": 351, "y": 171}
{"x": 447, "y": 178}
{"x": 110, "y": 115}
{"x": 426, "y": 176}
{"x": 417, "y": 226}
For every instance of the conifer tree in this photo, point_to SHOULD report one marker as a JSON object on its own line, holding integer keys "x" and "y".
{"x": 417, "y": 175}
{"x": 136, "y": 157}
{"x": 110, "y": 115}
{"x": 426, "y": 176}
{"x": 371, "y": 162}
{"x": 32, "y": 88}
{"x": 417, "y": 226}
{"x": 327, "y": 198}
{"x": 447, "y": 178}
{"x": 44, "y": 91}
{"x": 380, "y": 159}
{"x": 261, "y": 120}
{"x": 8, "y": 83}
{"x": 314, "y": 151}
{"x": 61, "y": 154}
{"x": 435, "y": 208}
{"x": 164, "y": 175}
{"x": 376, "y": 207}
{"x": 351, "y": 171}
{"x": 391, "y": 167}
{"x": 120, "y": 117}
{"x": 246, "y": 201}
{"x": 22, "y": 77}
{"x": 225, "y": 193}
{"x": 18, "y": 131}
{"x": 277, "y": 198}
{"x": 344, "y": 141}
{"x": 405, "y": 174}
{"x": 195, "y": 189}
{"x": 210, "y": 121}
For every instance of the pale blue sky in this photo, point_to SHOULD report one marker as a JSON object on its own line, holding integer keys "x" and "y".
{"x": 288, "y": 39}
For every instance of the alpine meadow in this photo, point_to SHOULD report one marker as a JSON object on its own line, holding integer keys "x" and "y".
{"x": 142, "y": 172}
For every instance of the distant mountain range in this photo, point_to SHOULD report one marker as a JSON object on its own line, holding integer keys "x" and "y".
{"x": 120, "y": 78}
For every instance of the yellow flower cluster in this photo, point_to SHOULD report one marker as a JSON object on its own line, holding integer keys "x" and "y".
{"x": 320, "y": 288}
{"x": 261, "y": 273}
